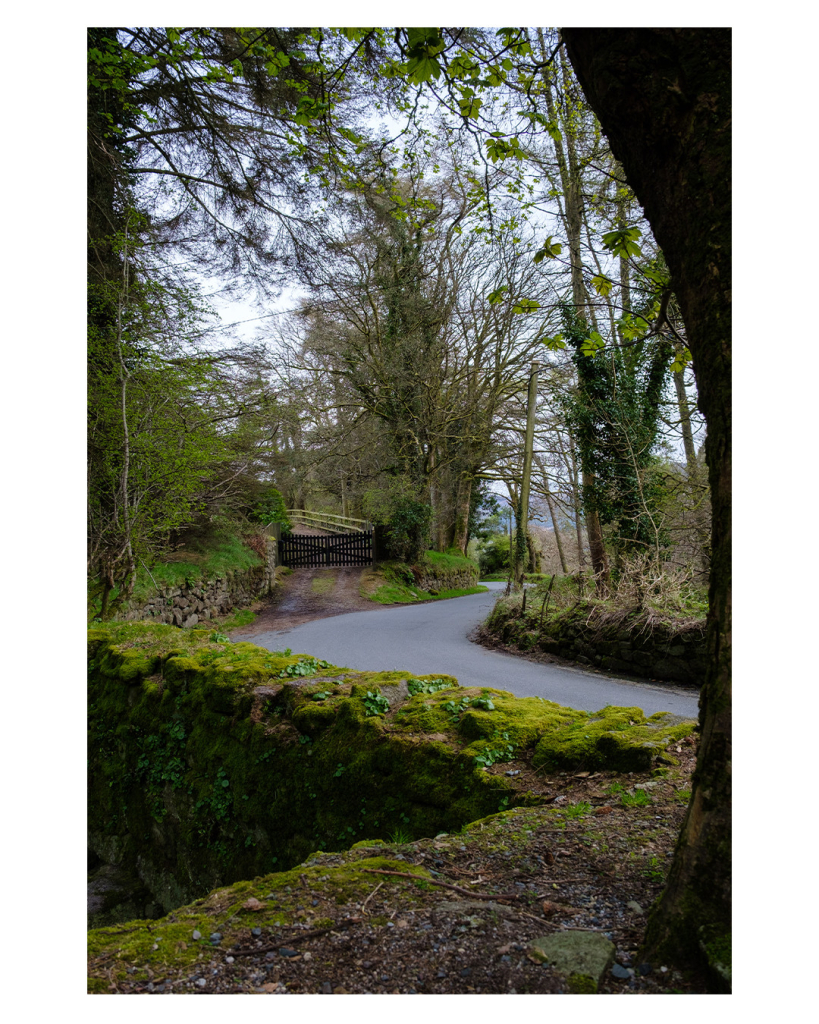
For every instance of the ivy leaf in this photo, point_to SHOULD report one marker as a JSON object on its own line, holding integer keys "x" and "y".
{"x": 592, "y": 345}
{"x": 602, "y": 284}
{"x": 549, "y": 251}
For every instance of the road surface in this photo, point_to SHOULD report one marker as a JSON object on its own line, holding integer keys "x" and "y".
{"x": 433, "y": 637}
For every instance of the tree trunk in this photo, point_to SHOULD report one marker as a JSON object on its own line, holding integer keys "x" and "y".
{"x": 663, "y": 100}
{"x": 695, "y": 483}
{"x": 594, "y": 531}
{"x": 463, "y": 499}
{"x": 564, "y": 565}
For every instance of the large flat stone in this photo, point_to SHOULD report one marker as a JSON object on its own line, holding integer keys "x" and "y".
{"x": 584, "y": 957}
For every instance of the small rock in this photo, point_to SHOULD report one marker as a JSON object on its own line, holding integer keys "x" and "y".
{"x": 621, "y": 972}
{"x": 252, "y": 904}
{"x": 466, "y": 972}
{"x": 270, "y": 955}
{"x": 308, "y": 955}
{"x": 256, "y": 932}
{"x": 644, "y": 969}
{"x": 288, "y": 952}
{"x": 635, "y": 906}
{"x": 327, "y": 989}
{"x": 197, "y": 934}
{"x": 229, "y": 960}
{"x": 200, "y": 983}
{"x": 216, "y": 938}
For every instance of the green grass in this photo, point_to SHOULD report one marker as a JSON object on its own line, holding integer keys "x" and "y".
{"x": 196, "y": 564}
{"x": 451, "y": 559}
{"x": 397, "y": 593}
{"x": 227, "y": 555}
{"x": 323, "y": 584}
{"x": 245, "y": 617}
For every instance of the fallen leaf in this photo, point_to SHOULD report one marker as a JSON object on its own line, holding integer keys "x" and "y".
{"x": 602, "y": 810}
{"x": 581, "y": 775}
{"x": 549, "y": 857}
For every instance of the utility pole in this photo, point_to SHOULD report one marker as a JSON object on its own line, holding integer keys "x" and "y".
{"x": 527, "y": 464}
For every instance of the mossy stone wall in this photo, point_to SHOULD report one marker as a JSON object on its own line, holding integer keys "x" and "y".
{"x": 435, "y": 580}
{"x": 638, "y": 643}
{"x": 192, "y": 603}
{"x": 211, "y": 762}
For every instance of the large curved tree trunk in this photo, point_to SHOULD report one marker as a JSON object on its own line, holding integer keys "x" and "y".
{"x": 663, "y": 100}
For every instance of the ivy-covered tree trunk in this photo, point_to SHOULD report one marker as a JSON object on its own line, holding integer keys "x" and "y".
{"x": 663, "y": 100}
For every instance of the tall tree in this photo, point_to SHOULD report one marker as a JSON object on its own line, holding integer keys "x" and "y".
{"x": 663, "y": 97}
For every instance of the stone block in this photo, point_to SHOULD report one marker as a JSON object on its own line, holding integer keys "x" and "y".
{"x": 583, "y": 957}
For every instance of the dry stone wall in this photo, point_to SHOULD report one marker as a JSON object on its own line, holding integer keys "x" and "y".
{"x": 635, "y": 644}
{"x": 191, "y": 603}
{"x": 453, "y": 579}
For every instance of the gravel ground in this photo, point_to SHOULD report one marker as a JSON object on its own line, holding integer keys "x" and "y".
{"x": 585, "y": 860}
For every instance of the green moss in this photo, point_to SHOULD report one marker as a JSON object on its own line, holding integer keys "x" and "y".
{"x": 581, "y": 985}
{"x": 619, "y": 738}
{"x": 209, "y": 763}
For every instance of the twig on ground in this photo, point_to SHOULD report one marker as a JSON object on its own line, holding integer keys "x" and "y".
{"x": 447, "y": 885}
{"x": 298, "y": 939}
{"x": 375, "y": 890}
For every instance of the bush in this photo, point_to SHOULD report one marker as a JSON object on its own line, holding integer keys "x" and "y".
{"x": 494, "y": 555}
{"x": 402, "y": 525}
{"x": 269, "y": 508}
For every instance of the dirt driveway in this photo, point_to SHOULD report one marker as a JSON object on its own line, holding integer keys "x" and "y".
{"x": 310, "y": 594}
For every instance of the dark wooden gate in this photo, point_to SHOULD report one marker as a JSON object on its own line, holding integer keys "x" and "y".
{"x": 302, "y": 552}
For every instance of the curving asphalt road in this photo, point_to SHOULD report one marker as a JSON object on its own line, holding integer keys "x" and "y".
{"x": 428, "y": 638}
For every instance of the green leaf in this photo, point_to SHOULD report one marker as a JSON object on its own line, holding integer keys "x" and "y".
{"x": 602, "y": 284}
{"x": 422, "y": 69}
{"x": 549, "y": 251}
{"x": 553, "y": 344}
{"x": 525, "y": 306}
{"x": 681, "y": 360}
{"x": 497, "y": 295}
{"x": 469, "y": 106}
{"x": 622, "y": 242}
{"x": 592, "y": 345}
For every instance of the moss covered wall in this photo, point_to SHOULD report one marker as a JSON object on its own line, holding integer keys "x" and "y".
{"x": 191, "y": 603}
{"x": 436, "y": 579}
{"x": 637, "y": 643}
{"x": 212, "y": 762}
